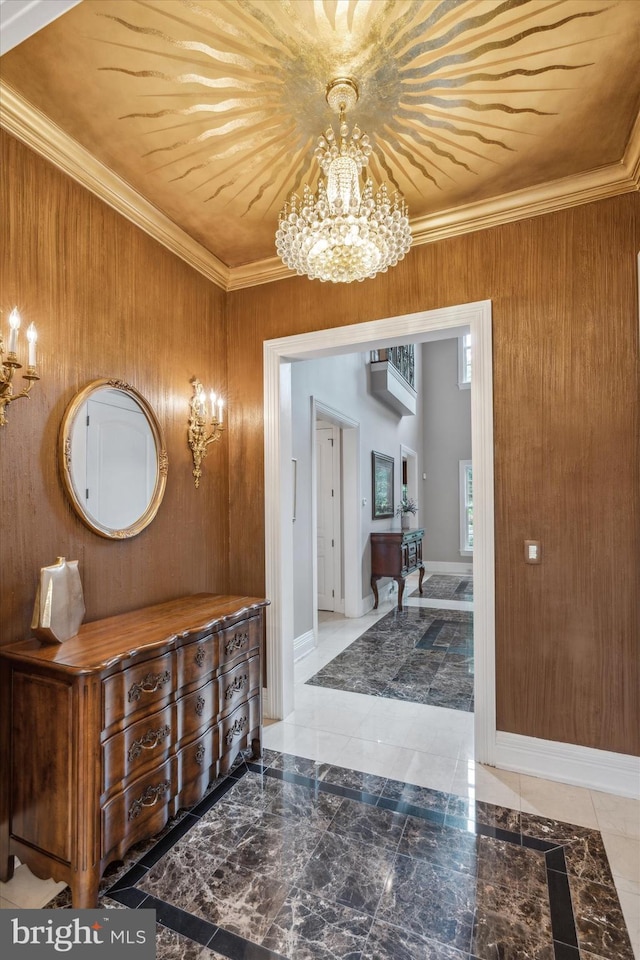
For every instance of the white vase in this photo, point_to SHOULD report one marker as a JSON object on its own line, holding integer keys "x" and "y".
{"x": 405, "y": 521}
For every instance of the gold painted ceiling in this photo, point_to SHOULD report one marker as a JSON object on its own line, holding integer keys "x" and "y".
{"x": 210, "y": 109}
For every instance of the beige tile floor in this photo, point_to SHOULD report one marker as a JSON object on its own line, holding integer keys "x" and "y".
{"x": 426, "y": 745}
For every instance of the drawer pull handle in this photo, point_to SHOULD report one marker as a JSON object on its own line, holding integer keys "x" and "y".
{"x": 200, "y": 656}
{"x": 148, "y": 799}
{"x": 200, "y": 705}
{"x": 238, "y": 684}
{"x": 200, "y": 752}
{"x": 150, "y": 740}
{"x": 237, "y": 642}
{"x": 236, "y": 730}
{"x": 151, "y": 683}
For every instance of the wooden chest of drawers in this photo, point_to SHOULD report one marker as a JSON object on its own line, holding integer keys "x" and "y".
{"x": 106, "y": 736}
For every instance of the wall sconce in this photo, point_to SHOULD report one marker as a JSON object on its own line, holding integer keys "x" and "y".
{"x": 10, "y": 364}
{"x": 199, "y": 422}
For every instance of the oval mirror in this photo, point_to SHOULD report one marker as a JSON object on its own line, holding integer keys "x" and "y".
{"x": 113, "y": 459}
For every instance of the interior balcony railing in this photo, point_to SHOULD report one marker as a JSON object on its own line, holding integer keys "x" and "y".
{"x": 393, "y": 378}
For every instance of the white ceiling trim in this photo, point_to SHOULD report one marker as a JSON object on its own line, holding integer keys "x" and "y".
{"x": 34, "y": 129}
{"x": 20, "y": 19}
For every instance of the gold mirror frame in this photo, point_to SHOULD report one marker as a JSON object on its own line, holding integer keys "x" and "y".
{"x": 64, "y": 453}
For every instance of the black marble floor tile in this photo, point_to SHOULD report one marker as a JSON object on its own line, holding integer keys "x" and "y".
{"x": 454, "y": 849}
{"x": 287, "y": 865}
{"x": 388, "y": 942}
{"x": 358, "y": 821}
{"x": 429, "y": 901}
{"x": 308, "y": 927}
{"x": 350, "y": 873}
{"x": 461, "y": 809}
{"x": 446, "y": 587}
{"x": 174, "y": 946}
{"x": 415, "y": 796}
{"x": 415, "y": 654}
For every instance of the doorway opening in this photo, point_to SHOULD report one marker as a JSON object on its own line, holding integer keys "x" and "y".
{"x": 417, "y": 328}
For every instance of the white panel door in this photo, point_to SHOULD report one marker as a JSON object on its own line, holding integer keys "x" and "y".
{"x": 327, "y": 499}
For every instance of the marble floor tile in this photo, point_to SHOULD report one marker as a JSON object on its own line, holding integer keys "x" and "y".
{"x": 173, "y": 946}
{"x": 429, "y": 901}
{"x": 623, "y": 853}
{"x": 381, "y": 759}
{"x": 308, "y": 927}
{"x": 477, "y": 782}
{"x": 617, "y": 814}
{"x": 455, "y": 849}
{"x": 509, "y": 865}
{"x": 599, "y": 920}
{"x": 477, "y": 811}
{"x": 630, "y": 904}
{"x": 511, "y": 926}
{"x": 388, "y": 942}
{"x": 357, "y": 821}
{"x": 304, "y": 741}
{"x": 353, "y": 874}
{"x": 558, "y": 801}
{"x": 415, "y": 796}
{"x": 431, "y": 770}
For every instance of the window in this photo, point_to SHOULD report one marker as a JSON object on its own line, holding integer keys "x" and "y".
{"x": 464, "y": 361}
{"x": 466, "y": 508}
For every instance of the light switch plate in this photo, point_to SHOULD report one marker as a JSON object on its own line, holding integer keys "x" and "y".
{"x": 532, "y": 551}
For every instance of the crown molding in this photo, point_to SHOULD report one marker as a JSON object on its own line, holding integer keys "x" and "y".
{"x": 260, "y": 271}
{"x": 33, "y": 128}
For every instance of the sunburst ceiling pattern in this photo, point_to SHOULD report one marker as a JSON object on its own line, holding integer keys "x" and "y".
{"x": 211, "y": 109}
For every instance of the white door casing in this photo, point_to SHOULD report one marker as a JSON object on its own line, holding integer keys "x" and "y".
{"x": 410, "y": 328}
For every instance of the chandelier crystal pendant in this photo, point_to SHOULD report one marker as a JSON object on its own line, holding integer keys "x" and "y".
{"x": 341, "y": 232}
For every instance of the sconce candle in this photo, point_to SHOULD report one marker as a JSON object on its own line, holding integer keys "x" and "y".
{"x": 32, "y": 336}
{"x": 14, "y": 326}
{"x": 9, "y": 364}
{"x": 197, "y": 436}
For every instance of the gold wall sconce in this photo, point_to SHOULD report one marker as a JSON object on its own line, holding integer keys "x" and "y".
{"x": 205, "y": 425}
{"x": 10, "y": 364}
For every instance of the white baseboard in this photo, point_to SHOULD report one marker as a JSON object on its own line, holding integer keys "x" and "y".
{"x": 616, "y": 773}
{"x": 304, "y": 644}
{"x": 435, "y": 566}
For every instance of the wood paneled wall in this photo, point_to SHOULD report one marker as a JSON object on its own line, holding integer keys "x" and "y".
{"x": 107, "y": 301}
{"x": 567, "y": 428}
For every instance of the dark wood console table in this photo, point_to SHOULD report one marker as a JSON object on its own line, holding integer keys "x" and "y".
{"x": 396, "y": 555}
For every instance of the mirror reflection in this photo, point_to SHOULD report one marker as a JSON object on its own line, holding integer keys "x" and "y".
{"x": 114, "y": 463}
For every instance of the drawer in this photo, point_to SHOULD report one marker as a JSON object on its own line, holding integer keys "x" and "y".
{"x": 198, "y": 766}
{"x": 412, "y": 551}
{"x": 146, "y": 686}
{"x": 197, "y": 709}
{"x": 238, "y": 684}
{"x": 128, "y": 753}
{"x": 139, "y": 811}
{"x": 242, "y": 639}
{"x": 196, "y": 661}
{"x": 235, "y": 728}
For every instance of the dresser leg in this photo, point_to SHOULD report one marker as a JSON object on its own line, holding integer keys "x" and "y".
{"x": 374, "y": 587}
{"x": 7, "y": 866}
{"x": 420, "y": 579}
{"x": 256, "y": 748}
{"x": 84, "y": 890}
{"x": 400, "y": 582}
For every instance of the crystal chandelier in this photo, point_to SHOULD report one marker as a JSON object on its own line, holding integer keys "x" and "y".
{"x": 342, "y": 232}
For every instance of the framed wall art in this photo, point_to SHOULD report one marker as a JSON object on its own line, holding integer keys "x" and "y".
{"x": 382, "y": 471}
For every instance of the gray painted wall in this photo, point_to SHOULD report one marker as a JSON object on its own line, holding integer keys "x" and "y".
{"x": 446, "y": 441}
{"x": 342, "y": 383}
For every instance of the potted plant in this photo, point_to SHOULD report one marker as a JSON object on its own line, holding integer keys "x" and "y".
{"x": 405, "y": 510}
